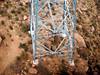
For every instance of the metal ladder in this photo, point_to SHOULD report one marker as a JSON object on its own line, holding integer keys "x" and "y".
{"x": 50, "y": 19}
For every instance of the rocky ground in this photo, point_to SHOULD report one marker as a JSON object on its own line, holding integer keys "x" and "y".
{"x": 15, "y": 42}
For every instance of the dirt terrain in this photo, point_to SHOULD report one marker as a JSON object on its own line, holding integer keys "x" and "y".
{"x": 16, "y": 45}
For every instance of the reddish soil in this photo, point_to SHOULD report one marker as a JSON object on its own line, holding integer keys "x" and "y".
{"x": 16, "y": 49}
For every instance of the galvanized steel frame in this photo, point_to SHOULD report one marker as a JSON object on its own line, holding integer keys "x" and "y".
{"x": 65, "y": 31}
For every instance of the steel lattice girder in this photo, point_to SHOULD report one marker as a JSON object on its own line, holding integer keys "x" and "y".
{"x": 50, "y": 19}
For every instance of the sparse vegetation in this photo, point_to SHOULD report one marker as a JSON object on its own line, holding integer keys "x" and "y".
{"x": 13, "y": 11}
{"x": 9, "y": 16}
{"x": 87, "y": 60}
{"x": 24, "y": 28}
{"x": 3, "y": 11}
{"x": 24, "y": 46}
{"x": 2, "y": 22}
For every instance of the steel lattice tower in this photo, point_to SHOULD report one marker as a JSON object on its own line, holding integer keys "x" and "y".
{"x": 50, "y": 19}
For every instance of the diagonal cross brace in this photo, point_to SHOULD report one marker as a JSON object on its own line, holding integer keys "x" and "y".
{"x": 66, "y": 28}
